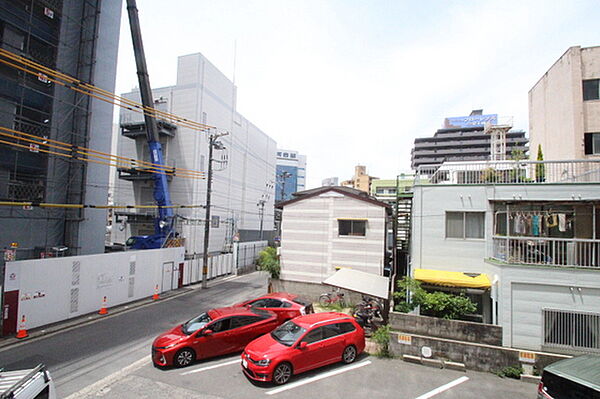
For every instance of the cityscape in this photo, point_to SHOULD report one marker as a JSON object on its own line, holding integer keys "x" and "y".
{"x": 158, "y": 242}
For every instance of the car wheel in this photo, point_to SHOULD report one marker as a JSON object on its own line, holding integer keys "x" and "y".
{"x": 282, "y": 373}
{"x": 349, "y": 354}
{"x": 184, "y": 357}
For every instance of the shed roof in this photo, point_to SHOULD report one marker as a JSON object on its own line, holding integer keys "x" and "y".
{"x": 347, "y": 191}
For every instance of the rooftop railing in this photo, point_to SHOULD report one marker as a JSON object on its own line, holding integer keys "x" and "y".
{"x": 510, "y": 172}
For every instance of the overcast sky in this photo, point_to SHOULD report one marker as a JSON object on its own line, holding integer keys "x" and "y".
{"x": 349, "y": 82}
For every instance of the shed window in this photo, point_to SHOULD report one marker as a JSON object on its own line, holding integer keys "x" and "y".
{"x": 352, "y": 227}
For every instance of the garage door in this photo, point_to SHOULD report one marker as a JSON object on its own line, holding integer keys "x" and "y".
{"x": 529, "y": 300}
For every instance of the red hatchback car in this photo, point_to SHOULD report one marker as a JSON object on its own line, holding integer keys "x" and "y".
{"x": 302, "y": 344}
{"x": 285, "y": 306}
{"x": 216, "y": 332}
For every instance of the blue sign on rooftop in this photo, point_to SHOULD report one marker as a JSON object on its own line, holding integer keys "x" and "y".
{"x": 470, "y": 121}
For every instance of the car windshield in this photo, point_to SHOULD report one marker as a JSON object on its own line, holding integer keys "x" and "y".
{"x": 193, "y": 325}
{"x": 288, "y": 333}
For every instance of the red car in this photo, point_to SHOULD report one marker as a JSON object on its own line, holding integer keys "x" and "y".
{"x": 285, "y": 306}
{"x": 216, "y": 332}
{"x": 302, "y": 344}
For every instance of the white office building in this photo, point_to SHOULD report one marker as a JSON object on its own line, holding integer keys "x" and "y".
{"x": 244, "y": 172}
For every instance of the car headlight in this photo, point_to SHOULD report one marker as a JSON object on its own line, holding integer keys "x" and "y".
{"x": 166, "y": 347}
{"x": 263, "y": 362}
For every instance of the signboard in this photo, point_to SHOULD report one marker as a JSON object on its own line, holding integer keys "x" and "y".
{"x": 405, "y": 339}
{"x": 214, "y": 222}
{"x": 470, "y": 121}
{"x": 526, "y": 357}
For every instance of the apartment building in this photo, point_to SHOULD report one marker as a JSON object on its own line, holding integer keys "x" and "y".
{"x": 79, "y": 39}
{"x": 244, "y": 163}
{"x": 291, "y": 174}
{"x": 464, "y": 138}
{"x": 522, "y": 239}
{"x": 565, "y": 103}
{"x": 361, "y": 180}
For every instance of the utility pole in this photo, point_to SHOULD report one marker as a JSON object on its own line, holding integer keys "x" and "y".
{"x": 261, "y": 214}
{"x": 284, "y": 175}
{"x": 213, "y": 143}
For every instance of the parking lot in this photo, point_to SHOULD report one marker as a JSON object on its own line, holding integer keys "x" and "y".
{"x": 368, "y": 377}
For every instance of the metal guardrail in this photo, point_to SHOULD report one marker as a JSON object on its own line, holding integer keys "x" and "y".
{"x": 574, "y": 252}
{"x": 571, "y": 330}
{"x": 510, "y": 172}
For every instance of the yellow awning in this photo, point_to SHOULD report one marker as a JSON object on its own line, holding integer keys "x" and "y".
{"x": 452, "y": 279}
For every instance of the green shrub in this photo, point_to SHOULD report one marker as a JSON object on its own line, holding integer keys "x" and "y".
{"x": 382, "y": 337}
{"x": 268, "y": 262}
{"x": 437, "y": 303}
{"x": 510, "y": 372}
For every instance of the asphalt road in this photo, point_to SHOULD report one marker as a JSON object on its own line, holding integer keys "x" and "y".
{"x": 81, "y": 356}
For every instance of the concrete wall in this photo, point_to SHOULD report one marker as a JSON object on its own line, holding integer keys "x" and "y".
{"x": 51, "y": 290}
{"x": 204, "y": 94}
{"x": 557, "y": 109}
{"x": 474, "y": 356}
{"x": 452, "y": 329}
{"x": 311, "y": 247}
{"x": 311, "y": 291}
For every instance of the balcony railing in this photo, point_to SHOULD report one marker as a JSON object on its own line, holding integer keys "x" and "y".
{"x": 573, "y": 252}
{"x": 510, "y": 172}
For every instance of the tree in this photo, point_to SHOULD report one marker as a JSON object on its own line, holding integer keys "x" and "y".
{"x": 540, "y": 172}
{"x": 268, "y": 262}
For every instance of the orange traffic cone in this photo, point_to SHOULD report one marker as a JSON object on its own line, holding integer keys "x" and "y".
{"x": 22, "y": 333}
{"x": 103, "y": 308}
{"x": 155, "y": 296}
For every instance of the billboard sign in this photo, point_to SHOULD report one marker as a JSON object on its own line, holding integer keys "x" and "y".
{"x": 470, "y": 121}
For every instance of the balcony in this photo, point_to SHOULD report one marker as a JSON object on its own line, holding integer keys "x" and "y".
{"x": 574, "y": 252}
{"x": 510, "y": 172}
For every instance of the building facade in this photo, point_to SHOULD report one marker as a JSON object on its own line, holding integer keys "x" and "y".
{"x": 565, "y": 103}
{"x": 533, "y": 246}
{"x": 79, "y": 39}
{"x": 361, "y": 180}
{"x": 464, "y": 139}
{"x": 243, "y": 170}
{"x": 328, "y": 228}
{"x": 291, "y": 174}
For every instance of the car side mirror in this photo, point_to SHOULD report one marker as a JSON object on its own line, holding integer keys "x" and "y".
{"x": 207, "y": 332}
{"x": 302, "y": 345}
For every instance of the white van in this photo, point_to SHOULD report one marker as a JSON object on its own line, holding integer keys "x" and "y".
{"x": 27, "y": 384}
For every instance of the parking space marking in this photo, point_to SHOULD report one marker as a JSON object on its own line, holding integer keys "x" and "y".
{"x": 318, "y": 377}
{"x": 214, "y": 366}
{"x": 443, "y": 388}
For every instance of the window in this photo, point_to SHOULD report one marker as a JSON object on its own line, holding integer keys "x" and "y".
{"x": 314, "y": 336}
{"x": 278, "y": 153}
{"x": 356, "y": 228}
{"x": 331, "y": 330}
{"x": 592, "y": 143}
{"x": 241, "y": 321}
{"x": 590, "y": 89}
{"x": 292, "y": 155}
{"x": 465, "y": 225}
{"x": 346, "y": 327}
{"x": 285, "y": 155}
{"x": 221, "y": 325}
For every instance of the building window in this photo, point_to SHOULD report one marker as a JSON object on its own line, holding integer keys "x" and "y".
{"x": 285, "y": 155}
{"x": 592, "y": 143}
{"x": 591, "y": 89}
{"x": 292, "y": 155}
{"x": 278, "y": 153}
{"x": 357, "y": 228}
{"x": 465, "y": 225}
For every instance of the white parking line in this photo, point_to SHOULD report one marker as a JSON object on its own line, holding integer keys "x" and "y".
{"x": 443, "y": 388}
{"x": 214, "y": 366}
{"x": 318, "y": 377}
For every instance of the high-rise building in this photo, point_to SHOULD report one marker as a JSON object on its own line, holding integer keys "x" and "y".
{"x": 564, "y": 107}
{"x": 243, "y": 168}
{"x": 80, "y": 39}
{"x": 291, "y": 174}
{"x": 464, "y": 138}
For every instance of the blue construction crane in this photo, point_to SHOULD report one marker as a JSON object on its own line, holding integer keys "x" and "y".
{"x": 164, "y": 222}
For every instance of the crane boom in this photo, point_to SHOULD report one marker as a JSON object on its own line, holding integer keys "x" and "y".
{"x": 163, "y": 224}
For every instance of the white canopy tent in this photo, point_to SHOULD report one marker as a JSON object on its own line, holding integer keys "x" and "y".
{"x": 361, "y": 282}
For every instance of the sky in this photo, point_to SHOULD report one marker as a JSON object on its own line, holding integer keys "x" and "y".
{"x": 348, "y": 82}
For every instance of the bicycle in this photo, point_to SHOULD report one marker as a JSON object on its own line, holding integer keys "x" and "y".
{"x": 369, "y": 305}
{"x": 329, "y": 298}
